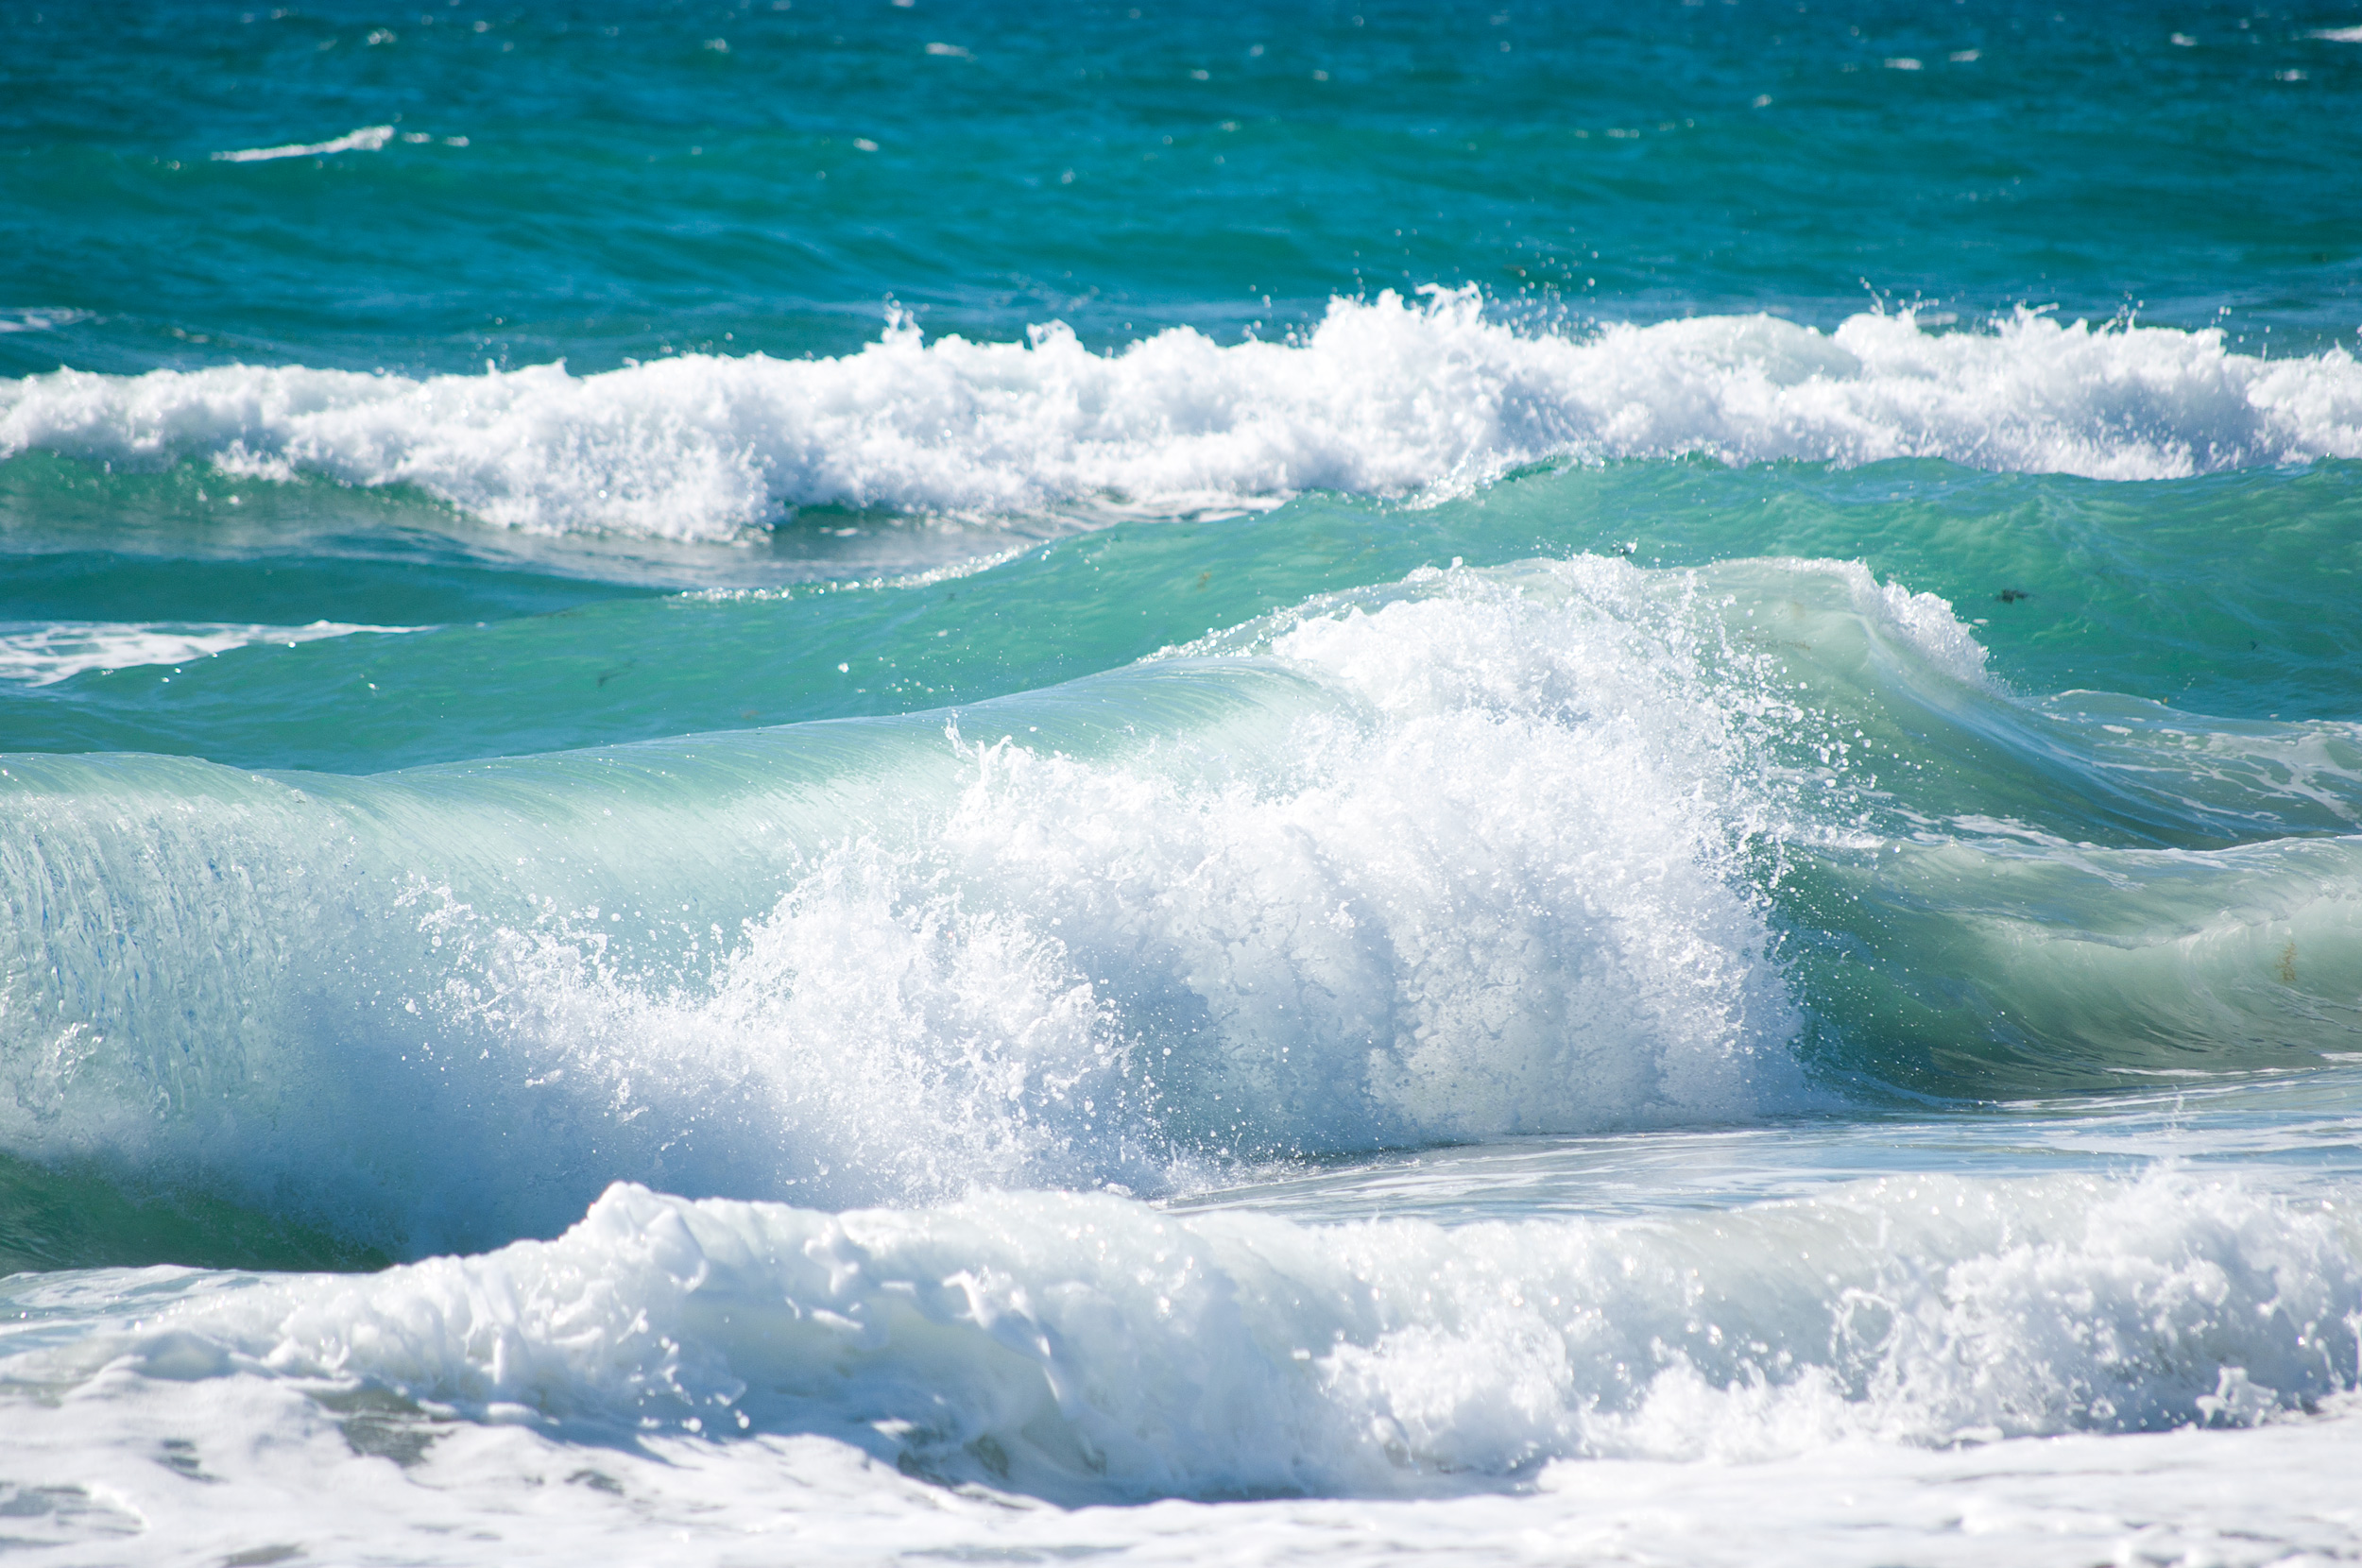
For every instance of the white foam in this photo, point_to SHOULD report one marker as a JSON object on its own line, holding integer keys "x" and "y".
{"x": 1090, "y": 1348}
{"x": 367, "y": 139}
{"x": 2340, "y": 35}
{"x": 1382, "y": 397}
{"x": 223, "y": 1468}
{"x": 43, "y": 653}
{"x": 1508, "y": 905}
{"x": 1923, "y": 620}
{"x": 39, "y": 320}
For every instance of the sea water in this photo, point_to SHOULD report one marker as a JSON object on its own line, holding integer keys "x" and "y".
{"x": 842, "y": 780}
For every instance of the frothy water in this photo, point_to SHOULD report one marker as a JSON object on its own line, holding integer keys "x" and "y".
{"x": 1088, "y": 1348}
{"x": 367, "y": 139}
{"x": 1544, "y": 786}
{"x": 48, "y": 652}
{"x": 1382, "y": 397}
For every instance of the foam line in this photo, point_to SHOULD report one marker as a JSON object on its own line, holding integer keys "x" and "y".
{"x": 44, "y": 653}
{"x": 1385, "y": 397}
{"x": 367, "y": 139}
{"x": 1088, "y": 1348}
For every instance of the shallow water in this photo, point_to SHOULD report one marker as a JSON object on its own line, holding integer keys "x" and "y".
{"x": 902, "y": 781}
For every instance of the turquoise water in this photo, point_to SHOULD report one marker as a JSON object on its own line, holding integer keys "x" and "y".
{"x": 937, "y": 779}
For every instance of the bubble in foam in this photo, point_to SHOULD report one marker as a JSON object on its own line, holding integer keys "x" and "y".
{"x": 1088, "y": 1349}
{"x": 1380, "y": 397}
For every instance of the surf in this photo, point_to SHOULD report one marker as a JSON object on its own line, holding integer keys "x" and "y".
{"x": 1381, "y": 396}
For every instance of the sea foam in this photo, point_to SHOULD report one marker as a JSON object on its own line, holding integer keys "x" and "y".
{"x": 43, "y": 653}
{"x": 367, "y": 139}
{"x": 1090, "y": 1348}
{"x": 1382, "y": 397}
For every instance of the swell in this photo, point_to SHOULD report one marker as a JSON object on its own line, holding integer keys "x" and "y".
{"x": 2220, "y": 595}
{"x": 1984, "y": 893}
{"x": 1381, "y": 396}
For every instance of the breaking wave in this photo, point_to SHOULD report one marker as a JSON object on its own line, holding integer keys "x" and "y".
{"x": 1382, "y": 397}
{"x": 1457, "y": 860}
{"x": 1091, "y": 1348}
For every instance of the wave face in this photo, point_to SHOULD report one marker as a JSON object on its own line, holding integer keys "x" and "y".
{"x": 1551, "y": 848}
{"x": 1090, "y": 1349}
{"x": 1453, "y": 862}
{"x": 1557, "y": 847}
{"x": 1381, "y": 396}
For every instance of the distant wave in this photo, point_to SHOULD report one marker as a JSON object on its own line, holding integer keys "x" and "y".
{"x": 37, "y": 320}
{"x": 367, "y": 139}
{"x": 1383, "y": 397}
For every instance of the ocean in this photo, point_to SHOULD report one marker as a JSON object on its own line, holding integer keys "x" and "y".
{"x": 906, "y": 780}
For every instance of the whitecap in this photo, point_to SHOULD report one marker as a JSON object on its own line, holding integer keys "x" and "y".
{"x": 44, "y": 653}
{"x": 367, "y": 139}
{"x": 39, "y": 320}
{"x": 1383, "y": 397}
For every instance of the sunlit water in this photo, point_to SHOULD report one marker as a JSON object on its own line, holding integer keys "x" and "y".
{"x": 922, "y": 781}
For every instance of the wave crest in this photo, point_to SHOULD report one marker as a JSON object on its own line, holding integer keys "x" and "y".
{"x": 1383, "y": 397}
